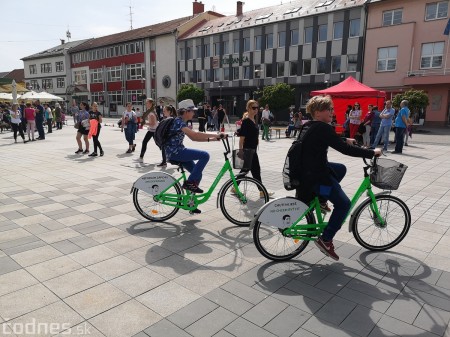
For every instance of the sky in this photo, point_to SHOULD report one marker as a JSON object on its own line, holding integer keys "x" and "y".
{"x": 30, "y": 26}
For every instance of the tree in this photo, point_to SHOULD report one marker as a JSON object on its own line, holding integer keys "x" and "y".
{"x": 190, "y": 91}
{"x": 417, "y": 100}
{"x": 279, "y": 96}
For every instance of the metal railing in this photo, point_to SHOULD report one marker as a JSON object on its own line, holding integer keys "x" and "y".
{"x": 428, "y": 72}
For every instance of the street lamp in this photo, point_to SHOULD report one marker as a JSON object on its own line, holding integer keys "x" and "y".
{"x": 220, "y": 90}
{"x": 258, "y": 75}
{"x": 103, "y": 103}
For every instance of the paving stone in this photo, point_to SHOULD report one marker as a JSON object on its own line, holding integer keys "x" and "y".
{"x": 92, "y": 255}
{"x": 57, "y": 235}
{"x": 165, "y": 328}
{"x": 37, "y": 255}
{"x": 309, "y": 291}
{"x": 364, "y": 299}
{"x": 333, "y": 283}
{"x": 361, "y": 320}
{"x": 139, "y": 281}
{"x": 173, "y": 266}
{"x": 202, "y": 280}
{"x": 404, "y": 308}
{"x": 192, "y": 312}
{"x": 401, "y": 328}
{"x": 125, "y": 244}
{"x": 53, "y": 268}
{"x": 287, "y": 322}
{"x": 83, "y": 242}
{"x": 211, "y": 323}
{"x": 114, "y": 267}
{"x": 73, "y": 282}
{"x": 242, "y": 328}
{"x": 336, "y": 310}
{"x": 15, "y": 280}
{"x": 301, "y": 302}
{"x": 90, "y": 227}
{"x": 323, "y": 328}
{"x": 246, "y": 293}
{"x": 25, "y": 247}
{"x": 229, "y": 301}
{"x": 66, "y": 247}
{"x": 433, "y": 319}
{"x": 265, "y": 311}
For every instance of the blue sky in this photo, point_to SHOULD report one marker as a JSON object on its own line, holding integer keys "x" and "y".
{"x": 29, "y": 26}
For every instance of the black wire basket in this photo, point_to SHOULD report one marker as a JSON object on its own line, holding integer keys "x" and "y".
{"x": 387, "y": 174}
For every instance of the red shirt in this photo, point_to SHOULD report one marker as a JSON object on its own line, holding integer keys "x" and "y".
{"x": 29, "y": 114}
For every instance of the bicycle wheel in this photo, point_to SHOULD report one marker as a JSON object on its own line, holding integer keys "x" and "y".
{"x": 372, "y": 235}
{"x": 242, "y": 212}
{"x": 154, "y": 210}
{"x": 272, "y": 244}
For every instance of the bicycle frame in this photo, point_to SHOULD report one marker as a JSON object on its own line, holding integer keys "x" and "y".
{"x": 312, "y": 231}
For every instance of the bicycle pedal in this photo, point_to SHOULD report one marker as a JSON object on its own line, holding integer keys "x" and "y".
{"x": 195, "y": 211}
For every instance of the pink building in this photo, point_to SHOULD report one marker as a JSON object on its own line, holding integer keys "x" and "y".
{"x": 406, "y": 48}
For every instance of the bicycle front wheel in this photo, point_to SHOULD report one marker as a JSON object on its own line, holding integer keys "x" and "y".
{"x": 241, "y": 210}
{"x": 373, "y": 235}
{"x": 272, "y": 244}
{"x": 154, "y": 210}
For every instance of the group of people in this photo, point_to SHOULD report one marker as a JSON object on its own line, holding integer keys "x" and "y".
{"x": 376, "y": 125}
{"x": 27, "y": 118}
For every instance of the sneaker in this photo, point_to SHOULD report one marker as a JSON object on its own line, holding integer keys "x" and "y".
{"x": 93, "y": 154}
{"x": 79, "y": 151}
{"x": 327, "y": 248}
{"x": 101, "y": 153}
{"x": 324, "y": 207}
{"x": 129, "y": 151}
{"x": 192, "y": 186}
{"x": 85, "y": 151}
{"x": 134, "y": 147}
{"x": 163, "y": 164}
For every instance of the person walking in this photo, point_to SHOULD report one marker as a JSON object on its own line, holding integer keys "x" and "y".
{"x": 16, "y": 122}
{"x": 83, "y": 128}
{"x": 401, "y": 123}
{"x": 168, "y": 111}
{"x": 201, "y": 115}
{"x": 129, "y": 125}
{"x": 385, "y": 127}
{"x": 94, "y": 114}
{"x": 58, "y": 113}
{"x": 265, "y": 122}
{"x": 39, "y": 118}
{"x": 367, "y": 122}
{"x": 30, "y": 114}
{"x": 355, "y": 119}
{"x": 221, "y": 113}
{"x": 150, "y": 118}
{"x": 375, "y": 125}
{"x": 48, "y": 117}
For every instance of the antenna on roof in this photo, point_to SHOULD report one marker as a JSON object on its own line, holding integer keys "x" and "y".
{"x": 131, "y": 18}
{"x": 68, "y": 34}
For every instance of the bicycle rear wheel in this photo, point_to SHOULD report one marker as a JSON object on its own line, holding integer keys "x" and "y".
{"x": 241, "y": 212}
{"x": 372, "y": 235}
{"x": 272, "y": 244}
{"x": 154, "y": 210}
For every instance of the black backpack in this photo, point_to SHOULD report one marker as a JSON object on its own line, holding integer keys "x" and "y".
{"x": 162, "y": 132}
{"x": 293, "y": 163}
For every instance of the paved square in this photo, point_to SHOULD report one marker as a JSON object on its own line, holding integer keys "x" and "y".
{"x": 75, "y": 253}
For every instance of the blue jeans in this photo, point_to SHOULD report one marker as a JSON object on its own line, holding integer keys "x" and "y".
{"x": 374, "y": 132}
{"x": 337, "y": 197}
{"x": 400, "y": 137}
{"x": 187, "y": 157}
{"x": 382, "y": 132}
{"x": 130, "y": 133}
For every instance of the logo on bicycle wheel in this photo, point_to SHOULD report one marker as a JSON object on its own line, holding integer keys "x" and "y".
{"x": 154, "y": 182}
{"x": 282, "y": 212}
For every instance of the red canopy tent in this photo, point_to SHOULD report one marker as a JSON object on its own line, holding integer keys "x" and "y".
{"x": 350, "y": 91}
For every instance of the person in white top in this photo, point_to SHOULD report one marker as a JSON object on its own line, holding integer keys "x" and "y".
{"x": 151, "y": 120}
{"x": 265, "y": 122}
{"x": 129, "y": 125}
{"x": 355, "y": 119}
{"x": 16, "y": 122}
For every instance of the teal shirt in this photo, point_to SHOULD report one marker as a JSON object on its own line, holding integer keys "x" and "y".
{"x": 399, "y": 120}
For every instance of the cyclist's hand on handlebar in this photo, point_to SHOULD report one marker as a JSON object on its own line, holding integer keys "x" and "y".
{"x": 221, "y": 136}
{"x": 378, "y": 152}
{"x": 351, "y": 141}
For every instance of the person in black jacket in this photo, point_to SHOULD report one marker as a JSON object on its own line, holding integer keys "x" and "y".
{"x": 319, "y": 176}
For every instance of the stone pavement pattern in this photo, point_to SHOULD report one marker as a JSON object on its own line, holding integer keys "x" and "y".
{"x": 75, "y": 253}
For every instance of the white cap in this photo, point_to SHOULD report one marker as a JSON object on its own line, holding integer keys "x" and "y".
{"x": 187, "y": 104}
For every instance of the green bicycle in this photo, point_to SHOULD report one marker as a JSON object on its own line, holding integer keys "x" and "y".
{"x": 283, "y": 227}
{"x": 158, "y": 196}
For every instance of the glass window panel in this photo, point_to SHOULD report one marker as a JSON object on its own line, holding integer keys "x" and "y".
{"x": 354, "y": 27}
{"x": 306, "y": 67}
{"x": 294, "y": 37}
{"x": 281, "y": 39}
{"x": 338, "y": 30}
{"x": 269, "y": 41}
{"x": 322, "y": 32}
{"x": 308, "y": 35}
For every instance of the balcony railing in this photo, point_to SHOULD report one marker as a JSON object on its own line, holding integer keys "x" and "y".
{"x": 428, "y": 72}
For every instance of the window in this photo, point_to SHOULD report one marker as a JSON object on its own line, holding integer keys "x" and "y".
{"x": 33, "y": 69}
{"x": 269, "y": 41}
{"x": 321, "y": 65}
{"x": 207, "y": 50}
{"x": 246, "y": 72}
{"x": 34, "y": 84}
{"x": 96, "y": 75}
{"x": 306, "y": 67}
{"x": 387, "y": 59}
{"x": 393, "y": 17}
{"x": 246, "y": 44}
{"x": 208, "y": 75}
{"x": 436, "y": 10}
{"x": 59, "y": 66}
{"x": 97, "y": 96}
{"x": 293, "y": 68}
{"x": 225, "y": 47}
{"x": 60, "y": 82}
{"x": 335, "y": 64}
{"x": 257, "y": 71}
{"x": 354, "y": 27}
{"x": 198, "y": 51}
{"x": 280, "y": 69}
{"x": 269, "y": 72}
{"x": 226, "y": 74}
{"x": 432, "y": 55}
{"x": 258, "y": 42}
{"x": 352, "y": 62}
{"x": 114, "y": 74}
{"x": 282, "y": 39}
{"x": 338, "y": 30}
{"x": 235, "y": 73}
{"x": 308, "y": 35}
{"x": 115, "y": 97}
{"x": 217, "y": 75}
{"x": 236, "y": 46}
{"x": 181, "y": 77}
{"x": 189, "y": 53}
{"x": 133, "y": 96}
{"x": 46, "y": 68}
{"x": 322, "y": 36}
{"x": 80, "y": 76}
{"x": 47, "y": 83}
{"x": 198, "y": 75}
{"x": 294, "y": 37}
{"x": 135, "y": 71}
{"x": 182, "y": 56}
{"x": 191, "y": 76}
{"x": 153, "y": 67}
{"x": 216, "y": 48}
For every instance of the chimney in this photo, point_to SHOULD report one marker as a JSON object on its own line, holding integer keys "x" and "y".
{"x": 239, "y": 8}
{"x": 197, "y": 7}
{"x": 63, "y": 41}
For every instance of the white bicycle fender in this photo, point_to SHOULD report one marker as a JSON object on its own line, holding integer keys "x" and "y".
{"x": 154, "y": 182}
{"x": 280, "y": 212}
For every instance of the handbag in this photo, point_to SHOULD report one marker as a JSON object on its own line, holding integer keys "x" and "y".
{"x": 362, "y": 128}
{"x": 85, "y": 124}
{"x": 76, "y": 125}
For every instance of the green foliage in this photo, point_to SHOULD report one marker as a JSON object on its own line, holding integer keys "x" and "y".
{"x": 279, "y": 96}
{"x": 190, "y": 91}
{"x": 417, "y": 99}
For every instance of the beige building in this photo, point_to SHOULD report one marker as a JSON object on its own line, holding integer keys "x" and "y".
{"x": 406, "y": 48}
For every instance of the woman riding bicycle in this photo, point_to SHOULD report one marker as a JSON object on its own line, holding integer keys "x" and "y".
{"x": 176, "y": 151}
{"x": 320, "y": 177}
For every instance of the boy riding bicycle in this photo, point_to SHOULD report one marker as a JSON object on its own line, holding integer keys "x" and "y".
{"x": 320, "y": 177}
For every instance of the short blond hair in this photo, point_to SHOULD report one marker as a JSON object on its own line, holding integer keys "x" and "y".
{"x": 319, "y": 103}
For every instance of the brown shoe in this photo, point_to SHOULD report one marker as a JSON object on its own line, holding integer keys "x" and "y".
{"x": 327, "y": 248}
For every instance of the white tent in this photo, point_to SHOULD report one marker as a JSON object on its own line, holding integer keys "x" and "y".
{"x": 4, "y": 96}
{"x": 42, "y": 96}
